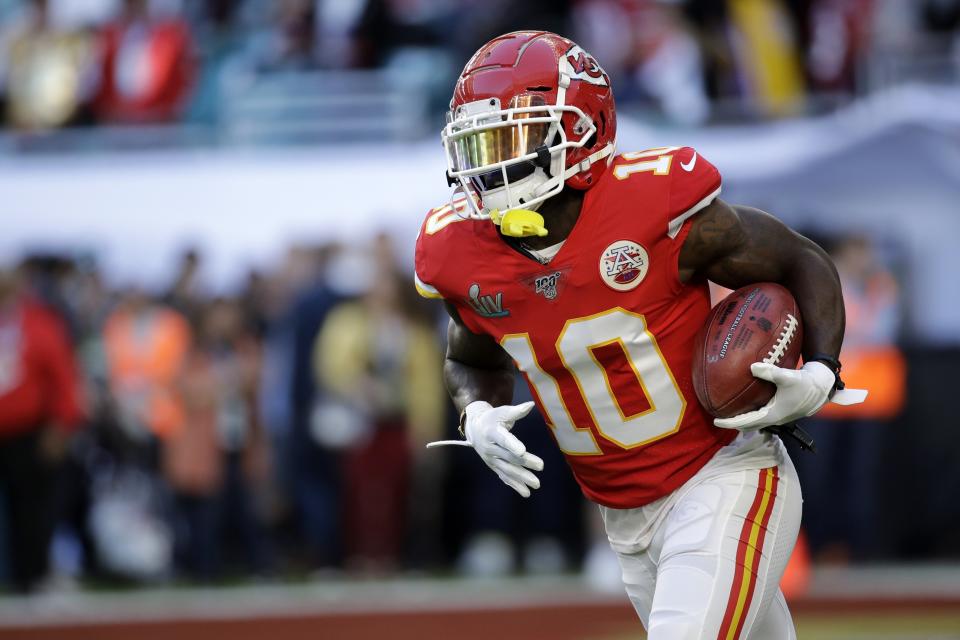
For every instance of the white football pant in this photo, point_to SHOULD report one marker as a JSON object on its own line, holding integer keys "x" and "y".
{"x": 705, "y": 562}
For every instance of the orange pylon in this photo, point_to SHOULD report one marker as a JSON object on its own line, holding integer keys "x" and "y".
{"x": 796, "y": 578}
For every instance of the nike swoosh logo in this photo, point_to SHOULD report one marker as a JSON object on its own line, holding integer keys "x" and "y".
{"x": 688, "y": 166}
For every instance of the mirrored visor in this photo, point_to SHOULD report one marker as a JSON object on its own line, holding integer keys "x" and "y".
{"x": 508, "y": 140}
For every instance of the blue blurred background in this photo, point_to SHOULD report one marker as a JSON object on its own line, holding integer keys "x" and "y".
{"x": 214, "y": 369}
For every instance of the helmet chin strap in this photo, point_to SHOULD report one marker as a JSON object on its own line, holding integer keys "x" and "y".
{"x": 587, "y": 162}
{"x": 518, "y": 194}
{"x": 524, "y": 223}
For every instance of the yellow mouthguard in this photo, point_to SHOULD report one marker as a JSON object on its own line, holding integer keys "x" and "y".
{"x": 519, "y": 223}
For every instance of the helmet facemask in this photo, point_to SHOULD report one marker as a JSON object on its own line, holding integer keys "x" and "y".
{"x": 513, "y": 158}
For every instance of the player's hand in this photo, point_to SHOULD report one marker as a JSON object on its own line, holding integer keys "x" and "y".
{"x": 800, "y": 393}
{"x": 487, "y": 429}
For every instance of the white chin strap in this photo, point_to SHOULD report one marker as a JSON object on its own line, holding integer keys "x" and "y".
{"x": 531, "y": 191}
{"x": 586, "y": 163}
{"x": 519, "y": 194}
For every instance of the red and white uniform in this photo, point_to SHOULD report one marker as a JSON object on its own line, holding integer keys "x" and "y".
{"x": 608, "y": 356}
{"x": 702, "y": 518}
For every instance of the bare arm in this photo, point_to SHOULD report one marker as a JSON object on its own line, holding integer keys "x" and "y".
{"x": 735, "y": 246}
{"x": 476, "y": 367}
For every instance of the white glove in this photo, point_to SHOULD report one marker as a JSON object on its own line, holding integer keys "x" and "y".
{"x": 800, "y": 393}
{"x": 487, "y": 430}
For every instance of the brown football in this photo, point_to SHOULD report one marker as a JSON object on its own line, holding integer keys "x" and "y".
{"x": 757, "y": 323}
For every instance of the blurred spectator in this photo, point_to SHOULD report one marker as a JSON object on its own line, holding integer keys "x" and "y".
{"x": 215, "y": 461}
{"x": 841, "y": 483}
{"x": 477, "y": 21}
{"x": 185, "y": 294}
{"x": 39, "y": 407}
{"x": 338, "y": 27}
{"x": 148, "y": 66}
{"x": 146, "y": 347}
{"x": 256, "y": 301}
{"x": 871, "y": 358}
{"x": 159, "y": 61}
{"x": 313, "y": 467}
{"x": 51, "y": 73}
{"x": 76, "y": 292}
{"x": 381, "y": 362}
{"x": 765, "y": 47}
{"x": 285, "y": 34}
{"x": 648, "y": 43}
{"x": 218, "y": 34}
{"x": 836, "y": 38}
{"x": 384, "y": 26}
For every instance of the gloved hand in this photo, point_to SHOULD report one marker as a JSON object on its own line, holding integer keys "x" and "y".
{"x": 487, "y": 430}
{"x": 800, "y": 393}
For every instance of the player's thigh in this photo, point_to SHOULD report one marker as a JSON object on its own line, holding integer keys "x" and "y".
{"x": 775, "y": 622}
{"x": 639, "y": 579}
{"x": 725, "y": 546}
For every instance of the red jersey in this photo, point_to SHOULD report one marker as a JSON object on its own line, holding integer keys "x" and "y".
{"x": 38, "y": 375}
{"x": 604, "y": 332}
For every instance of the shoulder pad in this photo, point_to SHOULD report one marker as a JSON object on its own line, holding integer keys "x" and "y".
{"x": 695, "y": 183}
{"x": 435, "y": 244}
{"x": 686, "y": 181}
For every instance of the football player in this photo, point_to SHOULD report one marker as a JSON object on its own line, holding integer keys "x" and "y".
{"x": 587, "y": 270}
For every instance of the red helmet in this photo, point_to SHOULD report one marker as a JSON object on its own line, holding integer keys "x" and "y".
{"x": 531, "y": 111}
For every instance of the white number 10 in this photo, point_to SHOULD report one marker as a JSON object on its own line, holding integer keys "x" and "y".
{"x": 659, "y": 164}
{"x": 576, "y": 347}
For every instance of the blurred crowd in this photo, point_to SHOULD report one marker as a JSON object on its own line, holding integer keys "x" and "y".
{"x": 155, "y": 435}
{"x": 277, "y": 432}
{"x": 159, "y": 61}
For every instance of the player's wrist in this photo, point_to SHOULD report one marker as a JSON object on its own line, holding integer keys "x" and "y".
{"x": 830, "y": 363}
{"x": 822, "y": 377}
{"x": 826, "y": 359}
{"x": 471, "y": 411}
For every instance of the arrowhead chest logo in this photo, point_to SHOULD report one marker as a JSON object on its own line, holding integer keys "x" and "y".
{"x": 624, "y": 265}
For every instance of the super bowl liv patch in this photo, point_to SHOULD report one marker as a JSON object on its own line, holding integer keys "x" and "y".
{"x": 488, "y": 306}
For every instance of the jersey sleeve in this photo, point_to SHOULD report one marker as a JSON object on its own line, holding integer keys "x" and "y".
{"x": 444, "y": 257}
{"x": 426, "y": 258}
{"x": 421, "y": 265}
{"x": 435, "y": 253}
{"x": 694, "y": 184}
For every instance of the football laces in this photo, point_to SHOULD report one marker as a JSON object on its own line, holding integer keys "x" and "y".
{"x": 780, "y": 346}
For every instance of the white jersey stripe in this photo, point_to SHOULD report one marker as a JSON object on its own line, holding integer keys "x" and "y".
{"x": 673, "y": 228}
{"x": 424, "y": 289}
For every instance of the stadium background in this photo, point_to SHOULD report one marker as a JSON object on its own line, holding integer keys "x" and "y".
{"x": 216, "y": 202}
